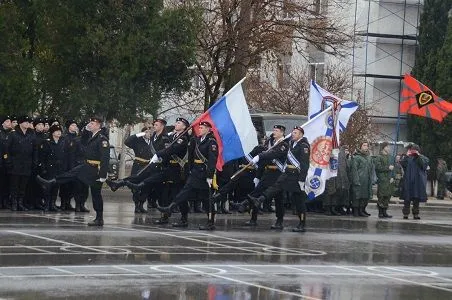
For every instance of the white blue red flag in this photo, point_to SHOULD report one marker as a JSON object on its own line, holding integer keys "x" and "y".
{"x": 322, "y": 163}
{"x": 320, "y": 99}
{"x": 231, "y": 125}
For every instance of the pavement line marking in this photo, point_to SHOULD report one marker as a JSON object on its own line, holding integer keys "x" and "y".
{"x": 62, "y": 270}
{"x": 56, "y": 241}
{"x": 33, "y": 248}
{"x": 249, "y": 284}
{"x": 246, "y": 269}
{"x": 131, "y": 271}
{"x": 399, "y": 279}
{"x": 198, "y": 249}
{"x": 298, "y": 269}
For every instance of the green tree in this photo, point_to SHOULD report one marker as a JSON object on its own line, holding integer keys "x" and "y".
{"x": 112, "y": 58}
{"x": 16, "y": 80}
{"x": 433, "y": 68}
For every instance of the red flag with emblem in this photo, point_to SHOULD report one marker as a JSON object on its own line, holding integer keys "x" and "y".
{"x": 417, "y": 99}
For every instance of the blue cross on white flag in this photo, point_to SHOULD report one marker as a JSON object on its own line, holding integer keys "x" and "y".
{"x": 322, "y": 164}
{"x": 319, "y": 99}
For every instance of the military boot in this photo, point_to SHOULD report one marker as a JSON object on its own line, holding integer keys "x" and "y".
{"x": 163, "y": 219}
{"x": 385, "y": 213}
{"x": 278, "y": 224}
{"x": 253, "y": 220}
{"x": 365, "y": 212}
{"x": 115, "y": 185}
{"x": 334, "y": 212}
{"x": 183, "y": 223}
{"x": 380, "y": 212}
{"x": 361, "y": 212}
{"x": 167, "y": 209}
{"x": 355, "y": 211}
{"x": 20, "y": 204}
{"x": 327, "y": 209}
{"x": 98, "y": 221}
{"x": 416, "y": 217}
{"x": 301, "y": 225}
{"x": 210, "y": 223}
{"x": 257, "y": 201}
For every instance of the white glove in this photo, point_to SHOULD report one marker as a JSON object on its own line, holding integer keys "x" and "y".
{"x": 256, "y": 181}
{"x": 102, "y": 179}
{"x": 154, "y": 159}
{"x": 301, "y": 184}
{"x": 391, "y": 180}
{"x": 209, "y": 181}
{"x": 255, "y": 160}
{"x": 391, "y": 167}
{"x": 140, "y": 134}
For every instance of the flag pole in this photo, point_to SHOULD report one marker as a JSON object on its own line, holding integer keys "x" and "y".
{"x": 237, "y": 84}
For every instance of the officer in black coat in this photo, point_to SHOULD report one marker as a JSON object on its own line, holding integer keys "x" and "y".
{"x": 140, "y": 144}
{"x": 202, "y": 160}
{"x": 270, "y": 166}
{"x": 5, "y": 129}
{"x": 154, "y": 169}
{"x": 53, "y": 162}
{"x": 21, "y": 160}
{"x": 291, "y": 180}
{"x": 93, "y": 171}
{"x": 71, "y": 138}
{"x": 34, "y": 196}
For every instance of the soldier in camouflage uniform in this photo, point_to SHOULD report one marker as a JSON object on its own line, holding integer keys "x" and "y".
{"x": 441, "y": 177}
{"x": 384, "y": 171}
{"x": 362, "y": 168}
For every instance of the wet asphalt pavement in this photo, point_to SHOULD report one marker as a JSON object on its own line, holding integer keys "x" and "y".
{"x": 56, "y": 256}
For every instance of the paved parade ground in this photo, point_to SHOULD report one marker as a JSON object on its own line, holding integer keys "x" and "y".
{"x": 55, "y": 256}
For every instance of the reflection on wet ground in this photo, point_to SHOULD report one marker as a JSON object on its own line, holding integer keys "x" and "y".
{"x": 50, "y": 256}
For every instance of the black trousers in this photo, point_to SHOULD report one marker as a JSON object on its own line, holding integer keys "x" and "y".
{"x": 18, "y": 185}
{"x": 190, "y": 192}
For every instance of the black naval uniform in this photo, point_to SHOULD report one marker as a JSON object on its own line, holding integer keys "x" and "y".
{"x": 202, "y": 159}
{"x": 142, "y": 150}
{"x": 54, "y": 161}
{"x": 4, "y": 179}
{"x": 295, "y": 170}
{"x": 173, "y": 171}
{"x": 21, "y": 160}
{"x": 270, "y": 167}
{"x": 34, "y": 195}
{"x": 95, "y": 166}
{"x": 68, "y": 190}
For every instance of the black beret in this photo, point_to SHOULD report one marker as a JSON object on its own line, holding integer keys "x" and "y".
{"x": 54, "y": 128}
{"x": 299, "y": 128}
{"x": 205, "y": 123}
{"x": 23, "y": 119}
{"x": 70, "y": 122}
{"x": 4, "y": 118}
{"x": 96, "y": 119}
{"x": 281, "y": 127}
{"x": 183, "y": 121}
{"x": 160, "y": 120}
{"x": 38, "y": 120}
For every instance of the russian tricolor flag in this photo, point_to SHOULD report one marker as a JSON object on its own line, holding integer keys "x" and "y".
{"x": 231, "y": 125}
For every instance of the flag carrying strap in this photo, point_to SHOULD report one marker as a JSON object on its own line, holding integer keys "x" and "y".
{"x": 293, "y": 160}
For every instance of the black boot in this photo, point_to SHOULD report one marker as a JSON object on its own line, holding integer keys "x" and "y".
{"x": 257, "y": 201}
{"x": 98, "y": 221}
{"x": 380, "y": 213}
{"x": 327, "y": 209}
{"x": 167, "y": 209}
{"x": 242, "y": 206}
{"x": 137, "y": 206}
{"x": 83, "y": 207}
{"x": 278, "y": 224}
{"x": 301, "y": 225}
{"x": 223, "y": 209}
{"x": 355, "y": 211}
{"x": 115, "y": 185}
{"x": 334, "y": 212}
{"x": 183, "y": 223}
{"x": 163, "y": 220}
{"x": 361, "y": 212}
{"x": 385, "y": 213}
{"x": 20, "y": 204}
{"x": 210, "y": 223}
{"x": 141, "y": 207}
{"x": 365, "y": 212}
{"x": 416, "y": 217}
{"x": 13, "y": 203}
{"x": 45, "y": 184}
{"x": 135, "y": 187}
{"x": 253, "y": 220}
